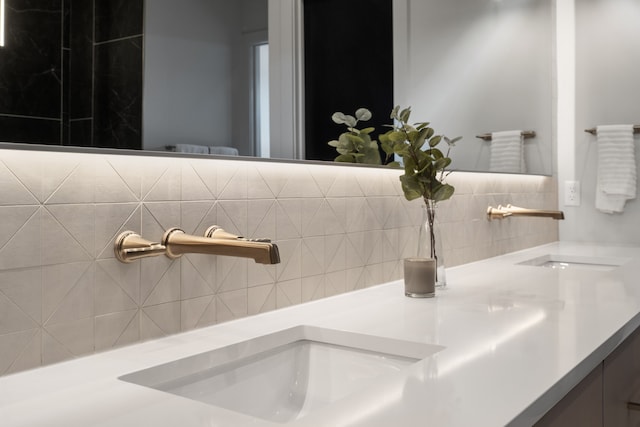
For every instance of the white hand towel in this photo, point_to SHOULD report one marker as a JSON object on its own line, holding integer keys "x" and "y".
{"x": 222, "y": 150}
{"x": 616, "y": 181}
{"x": 507, "y": 152}
{"x": 192, "y": 148}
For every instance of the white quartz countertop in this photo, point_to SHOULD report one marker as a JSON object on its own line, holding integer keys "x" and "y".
{"x": 516, "y": 339}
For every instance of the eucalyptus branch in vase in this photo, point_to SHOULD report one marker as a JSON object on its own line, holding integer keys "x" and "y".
{"x": 425, "y": 165}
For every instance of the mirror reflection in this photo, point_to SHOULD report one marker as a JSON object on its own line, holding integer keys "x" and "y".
{"x": 192, "y": 75}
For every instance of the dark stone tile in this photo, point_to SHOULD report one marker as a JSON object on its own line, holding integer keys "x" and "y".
{"x": 118, "y": 94}
{"x": 29, "y": 130}
{"x": 30, "y": 62}
{"x": 80, "y": 89}
{"x": 65, "y": 81}
{"x": 118, "y": 18}
{"x": 66, "y": 18}
{"x": 80, "y": 133}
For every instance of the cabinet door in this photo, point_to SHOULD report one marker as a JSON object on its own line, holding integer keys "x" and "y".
{"x": 622, "y": 383}
{"x": 582, "y": 406}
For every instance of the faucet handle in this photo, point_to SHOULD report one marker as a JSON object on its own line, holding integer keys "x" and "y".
{"x": 216, "y": 232}
{"x": 130, "y": 246}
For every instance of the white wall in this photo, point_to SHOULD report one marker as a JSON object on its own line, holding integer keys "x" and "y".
{"x": 196, "y": 78}
{"x": 607, "y": 92}
{"x": 474, "y": 67}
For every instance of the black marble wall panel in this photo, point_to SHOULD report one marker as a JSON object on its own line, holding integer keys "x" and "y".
{"x": 80, "y": 89}
{"x": 29, "y": 130}
{"x": 118, "y": 18}
{"x": 30, "y": 62}
{"x": 117, "y": 105}
{"x": 80, "y": 133}
{"x": 59, "y": 85}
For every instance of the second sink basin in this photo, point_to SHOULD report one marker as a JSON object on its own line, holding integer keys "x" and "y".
{"x": 283, "y": 376}
{"x": 564, "y": 262}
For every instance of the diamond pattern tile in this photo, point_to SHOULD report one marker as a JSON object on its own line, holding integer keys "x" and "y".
{"x": 76, "y": 336}
{"x": 23, "y": 248}
{"x": 23, "y": 288}
{"x": 29, "y": 356}
{"x": 77, "y": 300}
{"x": 110, "y": 186}
{"x": 67, "y": 247}
{"x": 198, "y": 312}
{"x": 261, "y": 299}
{"x": 13, "y": 191}
{"x": 193, "y": 187}
{"x": 78, "y": 187}
{"x": 231, "y": 305}
{"x": 288, "y": 293}
{"x": 12, "y": 346}
{"x": 114, "y": 329}
{"x": 165, "y": 317}
{"x": 78, "y": 221}
{"x": 13, "y": 219}
{"x": 63, "y": 293}
{"x": 13, "y": 318}
{"x": 110, "y": 295}
{"x": 110, "y": 221}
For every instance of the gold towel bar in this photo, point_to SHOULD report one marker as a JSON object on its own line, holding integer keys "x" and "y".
{"x": 525, "y": 134}
{"x": 592, "y": 131}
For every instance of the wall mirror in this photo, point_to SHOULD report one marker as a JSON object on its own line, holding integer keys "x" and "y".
{"x": 105, "y": 72}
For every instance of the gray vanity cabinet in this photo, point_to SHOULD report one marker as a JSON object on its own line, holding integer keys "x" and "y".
{"x": 602, "y": 398}
{"x": 621, "y": 384}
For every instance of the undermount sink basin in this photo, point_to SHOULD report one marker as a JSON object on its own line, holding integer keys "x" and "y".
{"x": 284, "y": 376}
{"x": 565, "y": 262}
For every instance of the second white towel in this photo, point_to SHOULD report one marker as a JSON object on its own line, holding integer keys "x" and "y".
{"x": 616, "y": 182}
{"x": 507, "y": 152}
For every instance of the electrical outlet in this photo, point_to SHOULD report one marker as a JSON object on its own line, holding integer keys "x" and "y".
{"x": 572, "y": 193}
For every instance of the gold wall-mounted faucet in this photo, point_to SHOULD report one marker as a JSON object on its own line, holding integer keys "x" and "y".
{"x": 218, "y": 242}
{"x": 502, "y": 212}
{"x": 130, "y": 246}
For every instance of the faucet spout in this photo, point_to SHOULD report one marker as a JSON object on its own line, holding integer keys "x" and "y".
{"x": 178, "y": 243}
{"x": 502, "y": 212}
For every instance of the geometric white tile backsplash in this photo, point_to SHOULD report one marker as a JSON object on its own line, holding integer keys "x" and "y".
{"x": 338, "y": 228}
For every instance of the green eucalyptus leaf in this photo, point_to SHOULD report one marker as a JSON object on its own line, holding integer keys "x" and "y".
{"x": 354, "y": 139}
{"x": 395, "y": 112}
{"x": 393, "y": 165}
{"x": 435, "y": 153}
{"x": 387, "y": 148}
{"x": 409, "y": 166}
{"x": 345, "y": 158}
{"x": 401, "y": 149}
{"x": 435, "y": 140}
{"x": 419, "y": 141}
{"x": 345, "y": 141}
{"x": 367, "y": 131}
{"x": 363, "y": 114}
{"x": 396, "y": 136}
{"x": 412, "y": 188}
{"x": 452, "y": 142}
{"x": 443, "y": 193}
{"x": 405, "y": 114}
{"x": 350, "y": 121}
{"x": 333, "y": 143}
{"x": 338, "y": 118}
